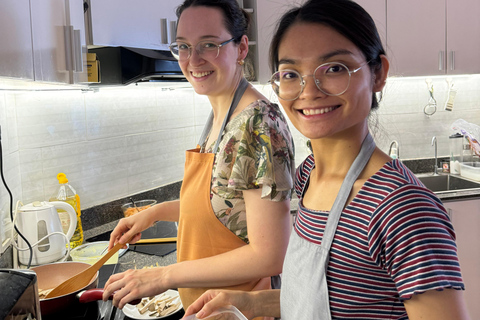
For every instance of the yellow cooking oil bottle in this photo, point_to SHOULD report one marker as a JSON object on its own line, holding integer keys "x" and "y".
{"x": 66, "y": 193}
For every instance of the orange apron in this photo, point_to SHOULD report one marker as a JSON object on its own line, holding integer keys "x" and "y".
{"x": 200, "y": 233}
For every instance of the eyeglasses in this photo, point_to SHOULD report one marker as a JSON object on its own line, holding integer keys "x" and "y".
{"x": 205, "y": 49}
{"x": 332, "y": 78}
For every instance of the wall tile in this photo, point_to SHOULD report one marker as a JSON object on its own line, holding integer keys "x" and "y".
{"x": 121, "y": 141}
{"x": 46, "y": 118}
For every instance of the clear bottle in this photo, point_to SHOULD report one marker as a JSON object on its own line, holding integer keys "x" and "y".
{"x": 66, "y": 193}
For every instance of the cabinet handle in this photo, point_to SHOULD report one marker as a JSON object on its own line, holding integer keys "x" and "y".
{"x": 77, "y": 51}
{"x": 68, "y": 47}
{"x": 173, "y": 31}
{"x": 440, "y": 60}
{"x": 163, "y": 31}
{"x": 452, "y": 60}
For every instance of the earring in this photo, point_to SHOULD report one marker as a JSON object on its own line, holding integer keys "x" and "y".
{"x": 241, "y": 62}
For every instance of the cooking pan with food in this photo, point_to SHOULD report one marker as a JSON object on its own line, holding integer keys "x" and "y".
{"x": 51, "y": 275}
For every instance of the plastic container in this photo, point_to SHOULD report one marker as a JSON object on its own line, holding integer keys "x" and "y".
{"x": 456, "y": 152}
{"x": 229, "y": 312}
{"x": 129, "y": 209}
{"x": 66, "y": 193}
{"x": 470, "y": 170}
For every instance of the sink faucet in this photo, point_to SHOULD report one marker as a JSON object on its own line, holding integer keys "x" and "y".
{"x": 434, "y": 142}
{"x": 394, "y": 152}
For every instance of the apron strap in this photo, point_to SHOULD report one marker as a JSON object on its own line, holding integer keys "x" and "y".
{"x": 208, "y": 126}
{"x": 368, "y": 146}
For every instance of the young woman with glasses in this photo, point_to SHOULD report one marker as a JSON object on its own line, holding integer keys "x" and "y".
{"x": 369, "y": 240}
{"x": 233, "y": 212}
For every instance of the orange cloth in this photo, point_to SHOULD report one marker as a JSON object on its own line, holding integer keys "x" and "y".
{"x": 200, "y": 233}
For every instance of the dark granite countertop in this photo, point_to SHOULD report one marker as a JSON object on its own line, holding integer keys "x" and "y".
{"x": 132, "y": 259}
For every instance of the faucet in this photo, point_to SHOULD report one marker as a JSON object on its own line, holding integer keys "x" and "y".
{"x": 434, "y": 142}
{"x": 394, "y": 153}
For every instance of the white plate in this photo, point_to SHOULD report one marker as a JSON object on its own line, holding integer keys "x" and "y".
{"x": 131, "y": 311}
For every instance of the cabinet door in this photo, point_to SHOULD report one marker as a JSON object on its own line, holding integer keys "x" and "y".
{"x": 465, "y": 217}
{"x": 58, "y": 40}
{"x": 416, "y": 37}
{"x": 268, "y": 15}
{"x": 463, "y": 36}
{"x": 16, "y": 56}
{"x": 146, "y": 24}
{"x": 377, "y": 9}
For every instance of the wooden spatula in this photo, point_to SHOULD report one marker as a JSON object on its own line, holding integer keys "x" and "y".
{"x": 82, "y": 279}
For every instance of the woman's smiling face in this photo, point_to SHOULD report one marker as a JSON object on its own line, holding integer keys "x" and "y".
{"x": 208, "y": 76}
{"x": 303, "y": 48}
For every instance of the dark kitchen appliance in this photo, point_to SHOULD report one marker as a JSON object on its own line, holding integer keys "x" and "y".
{"x": 122, "y": 65}
{"x": 19, "y": 295}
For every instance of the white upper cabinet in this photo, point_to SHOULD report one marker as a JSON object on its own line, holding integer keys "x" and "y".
{"x": 463, "y": 36}
{"x": 16, "y": 55}
{"x": 268, "y": 13}
{"x": 59, "y": 44}
{"x": 433, "y": 37}
{"x": 43, "y": 41}
{"x": 378, "y": 11}
{"x": 148, "y": 24}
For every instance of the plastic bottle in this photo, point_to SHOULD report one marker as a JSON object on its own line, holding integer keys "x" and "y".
{"x": 66, "y": 193}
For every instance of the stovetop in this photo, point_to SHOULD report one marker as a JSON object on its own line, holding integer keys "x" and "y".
{"x": 100, "y": 310}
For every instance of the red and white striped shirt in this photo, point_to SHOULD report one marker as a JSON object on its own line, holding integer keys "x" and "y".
{"x": 393, "y": 240}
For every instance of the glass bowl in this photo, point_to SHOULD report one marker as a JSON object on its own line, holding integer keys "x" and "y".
{"x": 91, "y": 252}
{"x": 129, "y": 210}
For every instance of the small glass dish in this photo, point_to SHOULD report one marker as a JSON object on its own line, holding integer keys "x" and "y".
{"x": 129, "y": 209}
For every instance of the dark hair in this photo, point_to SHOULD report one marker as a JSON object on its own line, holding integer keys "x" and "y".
{"x": 346, "y": 17}
{"x": 236, "y": 20}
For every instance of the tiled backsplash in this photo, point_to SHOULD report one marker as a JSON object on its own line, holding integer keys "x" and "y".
{"x": 120, "y": 141}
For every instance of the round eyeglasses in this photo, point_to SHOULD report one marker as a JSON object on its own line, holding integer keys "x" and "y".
{"x": 205, "y": 49}
{"x": 332, "y": 78}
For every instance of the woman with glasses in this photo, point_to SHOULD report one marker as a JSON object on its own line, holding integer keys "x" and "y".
{"x": 233, "y": 212}
{"x": 369, "y": 240}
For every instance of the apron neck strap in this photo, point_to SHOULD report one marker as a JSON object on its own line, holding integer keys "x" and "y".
{"x": 368, "y": 146}
{"x": 242, "y": 86}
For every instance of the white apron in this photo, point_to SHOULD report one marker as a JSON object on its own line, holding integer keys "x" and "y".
{"x": 304, "y": 293}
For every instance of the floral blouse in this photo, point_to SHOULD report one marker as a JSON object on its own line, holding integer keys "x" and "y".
{"x": 256, "y": 151}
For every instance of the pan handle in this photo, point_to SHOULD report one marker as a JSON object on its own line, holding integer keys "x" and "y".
{"x": 86, "y": 296}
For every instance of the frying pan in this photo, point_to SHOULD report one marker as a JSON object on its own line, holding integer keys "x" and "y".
{"x": 51, "y": 275}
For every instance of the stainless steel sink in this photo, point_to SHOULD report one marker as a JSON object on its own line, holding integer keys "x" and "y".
{"x": 439, "y": 183}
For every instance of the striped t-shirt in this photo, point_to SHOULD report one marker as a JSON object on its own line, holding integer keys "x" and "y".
{"x": 392, "y": 241}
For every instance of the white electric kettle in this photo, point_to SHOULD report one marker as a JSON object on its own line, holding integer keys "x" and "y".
{"x": 37, "y": 220}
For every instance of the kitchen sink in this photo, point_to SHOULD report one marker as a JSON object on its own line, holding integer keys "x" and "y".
{"x": 439, "y": 183}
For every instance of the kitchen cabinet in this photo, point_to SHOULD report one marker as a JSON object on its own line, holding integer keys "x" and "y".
{"x": 58, "y": 37}
{"x": 378, "y": 11}
{"x": 465, "y": 216}
{"x": 16, "y": 55}
{"x": 268, "y": 13}
{"x": 43, "y": 41}
{"x": 149, "y": 24}
{"x": 433, "y": 37}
